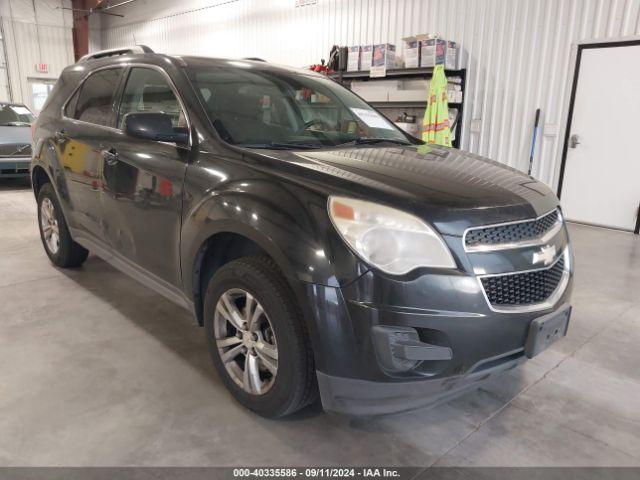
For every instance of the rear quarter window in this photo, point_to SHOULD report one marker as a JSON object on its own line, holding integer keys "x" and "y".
{"x": 94, "y": 103}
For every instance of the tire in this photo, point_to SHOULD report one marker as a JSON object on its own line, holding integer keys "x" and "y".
{"x": 67, "y": 253}
{"x": 294, "y": 384}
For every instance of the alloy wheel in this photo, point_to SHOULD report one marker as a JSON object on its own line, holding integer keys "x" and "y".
{"x": 246, "y": 341}
{"x": 49, "y": 224}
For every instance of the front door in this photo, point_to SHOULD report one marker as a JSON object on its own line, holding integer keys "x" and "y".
{"x": 600, "y": 184}
{"x": 143, "y": 181}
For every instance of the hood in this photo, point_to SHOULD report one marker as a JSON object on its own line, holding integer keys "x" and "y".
{"x": 450, "y": 188}
{"x": 15, "y": 134}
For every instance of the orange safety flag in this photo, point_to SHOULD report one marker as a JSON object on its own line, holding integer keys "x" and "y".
{"x": 435, "y": 126}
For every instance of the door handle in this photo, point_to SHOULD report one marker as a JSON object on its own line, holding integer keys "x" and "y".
{"x": 110, "y": 156}
{"x": 61, "y": 136}
{"x": 574, "y": 141}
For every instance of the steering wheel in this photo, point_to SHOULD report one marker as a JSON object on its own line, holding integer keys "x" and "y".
{"x": 315, "y": 121}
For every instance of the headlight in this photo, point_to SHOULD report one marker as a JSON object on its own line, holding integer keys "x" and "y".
{"x": 389, "y": 239}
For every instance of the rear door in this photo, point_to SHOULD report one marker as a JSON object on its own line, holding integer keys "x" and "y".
{"x": 86, "y": 126}
{"x": 143, "y": 180}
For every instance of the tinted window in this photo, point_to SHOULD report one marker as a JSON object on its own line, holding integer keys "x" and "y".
{"x": 96, "y": 97}
{"x": 147, "y": 90}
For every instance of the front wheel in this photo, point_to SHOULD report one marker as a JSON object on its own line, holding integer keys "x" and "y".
{"x": 62, "y": 250}
{"x": 257, "y": 338}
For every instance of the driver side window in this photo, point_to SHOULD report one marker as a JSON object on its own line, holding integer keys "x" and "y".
{"x": 147, "y": 91}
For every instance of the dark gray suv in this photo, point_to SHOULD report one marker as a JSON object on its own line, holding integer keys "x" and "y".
{"x": 323, "y": 250}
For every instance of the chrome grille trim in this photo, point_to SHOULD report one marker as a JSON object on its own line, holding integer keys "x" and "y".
{"x": 548, "y": 303}
{"x": 15, "y": 150}
{"x": 531, "y": 242}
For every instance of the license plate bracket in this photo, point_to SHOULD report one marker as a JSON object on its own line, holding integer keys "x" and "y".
{"x": 546, "y": 330}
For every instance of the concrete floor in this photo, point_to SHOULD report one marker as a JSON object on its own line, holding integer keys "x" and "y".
{"x": 97, "y": 370}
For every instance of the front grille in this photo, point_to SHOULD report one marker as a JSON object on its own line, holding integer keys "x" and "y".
{"x": 514, "y": 232}
{"x": 15, "y": 150}
{"x": 528, "y": 288}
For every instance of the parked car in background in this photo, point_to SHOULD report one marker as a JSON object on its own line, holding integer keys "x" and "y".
{"x": 15, "y": 140}
{"x": 324, "y": 250}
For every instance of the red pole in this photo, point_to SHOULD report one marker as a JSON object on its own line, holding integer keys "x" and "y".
{"x": 81, "y": 26}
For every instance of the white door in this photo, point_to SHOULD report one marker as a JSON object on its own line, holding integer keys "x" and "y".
{"x": 601, "y": 183}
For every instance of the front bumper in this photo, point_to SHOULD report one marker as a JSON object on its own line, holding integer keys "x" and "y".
{"x": 14, "y": 167}
{"x": 467, "y": 341}
{"x": 350, "y": 396}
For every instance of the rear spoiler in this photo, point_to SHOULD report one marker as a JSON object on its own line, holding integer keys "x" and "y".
{"x": 113, "y": 52}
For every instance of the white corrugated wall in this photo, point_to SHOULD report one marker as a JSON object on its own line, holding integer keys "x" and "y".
{"x": 34, "y": 31}
{"x": 519, "y": 51}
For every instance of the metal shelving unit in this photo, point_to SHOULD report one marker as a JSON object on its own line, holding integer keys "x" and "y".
{"x": 346, "y": 78}
{"x": 395, "y": 73}
{"x": 390, "y": 104}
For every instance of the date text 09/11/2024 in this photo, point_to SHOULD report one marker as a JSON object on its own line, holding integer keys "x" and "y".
{"x": 317, "y": 472}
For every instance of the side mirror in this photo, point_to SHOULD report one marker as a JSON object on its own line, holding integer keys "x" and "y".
{"x": 154, "y": 126}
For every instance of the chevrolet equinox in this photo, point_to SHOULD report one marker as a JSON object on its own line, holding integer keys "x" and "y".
{"x": 324, "y": 251}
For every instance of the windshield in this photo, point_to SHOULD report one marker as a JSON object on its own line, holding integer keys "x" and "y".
{"x": 15, "y": 115}
{"x": 278, "y": 109}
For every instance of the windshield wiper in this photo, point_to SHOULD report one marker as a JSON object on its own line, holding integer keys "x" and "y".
{"x": 282, "y": 146}
{"x": 373, "y": 140}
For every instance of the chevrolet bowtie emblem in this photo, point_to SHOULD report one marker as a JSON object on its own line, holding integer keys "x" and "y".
{"x": 545, "y": 255}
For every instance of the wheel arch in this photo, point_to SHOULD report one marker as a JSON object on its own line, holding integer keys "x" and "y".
{"x": 39, "y": 177}
{"x": 230, "y": 243}
{"x": 254, "y": 217}
{"x": 224, "y": 246}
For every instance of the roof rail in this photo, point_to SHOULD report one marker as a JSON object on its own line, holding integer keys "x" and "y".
{"x": 112, "y": 52}
{"x": 255, "y": 59}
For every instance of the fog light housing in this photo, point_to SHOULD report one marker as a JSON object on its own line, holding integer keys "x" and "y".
{"x": 399, "y": 349}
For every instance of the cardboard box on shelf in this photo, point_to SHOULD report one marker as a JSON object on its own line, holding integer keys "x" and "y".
{"x": 436, "y": 51}
{"x": 410, "y": 91}
{"x": 426, "y": 53}
{"x": 454, "y": 93}
{"x": 384, "y": 56}
{"x": 353, "y": 58}
{"x": 377, "y": 91}
{"x": 452, "y": 97}
{"x": 366, "y": 52}
{"x": 411, "y": 52}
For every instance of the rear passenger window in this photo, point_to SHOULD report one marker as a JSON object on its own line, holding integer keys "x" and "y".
{"x": 95, "y": 103}
{"x": 147, "y": 90}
